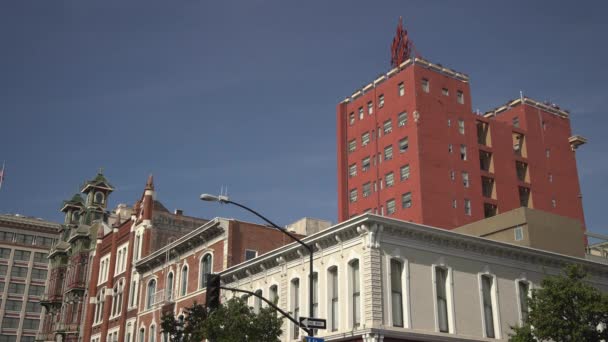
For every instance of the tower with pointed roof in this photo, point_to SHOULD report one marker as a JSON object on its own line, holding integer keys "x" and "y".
{"x": 69, "y": 260}
{"x": 96, "y": 192}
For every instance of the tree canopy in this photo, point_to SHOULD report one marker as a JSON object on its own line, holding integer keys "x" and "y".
{"x": 565, "y": 309}
{"x": 233, "y": 321}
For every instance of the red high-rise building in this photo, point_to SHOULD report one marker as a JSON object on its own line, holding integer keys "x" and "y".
{"x": 410, "y": 147}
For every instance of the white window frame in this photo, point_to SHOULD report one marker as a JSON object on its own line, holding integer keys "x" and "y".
{"x": 519, "y": 230}
{"x": 401, "y": 89}
{"x": 461, "y": 126}
{"x": 370, "y": 107}
{"x": 393, "y": 205}
{"x": 200, "y": 269}
{"x": 121, "y": 260}
{"x": 426, "y": 85}
{"x": 467, "y": 207}
{"x": 365, "y": 139}
{"x": 518, "y": 295}
{"x": 104, "y": 269}
{"x": 460, "y": 96}
{"x": 351, "y": 294}
{"x": 330, "y": 294}
{"x": 352, "y": 170}
{"x": 495, "y": 305}
{"x": 402, "y": 119}
{"x": 183, "y": 286}
{"x": 405, "y": 290}
{"x": 449, "y": 298}
{"x": 292, "y": 299}
{"x": 407, "y": 175}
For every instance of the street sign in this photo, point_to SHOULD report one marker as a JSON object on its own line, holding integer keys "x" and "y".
{"x": 313, "y": 339}
{"x": 313, "y": 323}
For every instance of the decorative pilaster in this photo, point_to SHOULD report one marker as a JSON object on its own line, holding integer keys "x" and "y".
{"x": 372, "y": 273}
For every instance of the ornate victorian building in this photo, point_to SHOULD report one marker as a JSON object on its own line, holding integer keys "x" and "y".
{"x": 70, "y": 260}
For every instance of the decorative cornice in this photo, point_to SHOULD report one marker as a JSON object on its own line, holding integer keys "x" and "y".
{"x": 379, "y": 229}
{"x": 195, "y": 238}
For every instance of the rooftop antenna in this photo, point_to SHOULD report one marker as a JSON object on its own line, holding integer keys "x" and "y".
{"x": 521, "y": 95}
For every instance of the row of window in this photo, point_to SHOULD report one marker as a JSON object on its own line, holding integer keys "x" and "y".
{"x": 13, "y": 338}
{"x": 21, "y": 272}
{"x": 13, "y": 323}
{"x": 333, "y": 298}
{"x": 19, "y": 289}
{"x": 17, "y": 305}
{"x": 443, "y": 283}
{"x": 426, "y": 87}
{"x": 205, "y": 268}
{"x": 488, "y": 288}
{"x": 26, "y": 239}
{"x": 388, "y": 180}
{"x": 388, "y": 150}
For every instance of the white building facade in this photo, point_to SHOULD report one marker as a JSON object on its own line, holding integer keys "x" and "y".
{"x": 380, "y": 279}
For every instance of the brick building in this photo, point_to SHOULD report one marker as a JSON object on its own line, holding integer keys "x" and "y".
{"x": 174, "y": 277}
{"x": 24, "y": 248}
{"x": 114, "y": 286}
{"x": 136, "y": 258}
{"x": 410, "y": 147}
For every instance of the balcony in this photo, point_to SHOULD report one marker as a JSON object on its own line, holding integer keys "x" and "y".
{"x": 66, "y": 327}
{"x": 51, "y": 299}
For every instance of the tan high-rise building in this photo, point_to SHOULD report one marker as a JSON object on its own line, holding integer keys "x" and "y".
{"x": 24, "y": 248}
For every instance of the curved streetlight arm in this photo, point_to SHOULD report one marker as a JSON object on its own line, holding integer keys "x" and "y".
{"x": 269, "y": 222}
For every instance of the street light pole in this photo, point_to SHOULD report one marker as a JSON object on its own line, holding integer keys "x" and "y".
{"x": 225, "y": 199}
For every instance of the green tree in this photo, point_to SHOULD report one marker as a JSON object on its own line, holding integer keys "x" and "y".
{"x": 190, "y": 328}
{"x": 565, "y": 309}
{"x": 233, "y": 321}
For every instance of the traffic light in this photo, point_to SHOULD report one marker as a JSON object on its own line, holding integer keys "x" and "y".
{"x": 213, "y": 291}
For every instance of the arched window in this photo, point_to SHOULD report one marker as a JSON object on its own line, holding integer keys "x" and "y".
{"x": 274, "y": 294}
{"x": 332, "y": 275}
{"x": 99, "y": 197}
{"x": 443, "y": 299}
{"x": 152, "y": 333}
{"x": 355, "y": 293}
{"x": 397, "y": 292}
{"x": 136, "y": 246}
{"x": 205, "y": 270}
{"x": 150, "y": 293}
{"x": 184, "y": 286}
{"x": 169, "y": 288}
{"x": 75, "y": 217}
{"x": 490, "y": 306}
{"x": 142, "y": 335}
{"x": 257, "y": 302}
{"x": 295, "y": 305}
{"x": 523, "y": 292}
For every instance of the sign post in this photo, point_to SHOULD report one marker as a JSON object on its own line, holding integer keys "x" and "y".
{"x": 313, "y": 339}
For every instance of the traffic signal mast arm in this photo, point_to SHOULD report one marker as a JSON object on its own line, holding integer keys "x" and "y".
{"x": 269, "y": 303}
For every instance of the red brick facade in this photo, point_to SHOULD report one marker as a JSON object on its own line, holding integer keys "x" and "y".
{"x": 449, "y": 190}
{"x": 226, "y": 241}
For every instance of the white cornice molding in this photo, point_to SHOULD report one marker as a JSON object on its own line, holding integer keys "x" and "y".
{"x": 408, "y": 233}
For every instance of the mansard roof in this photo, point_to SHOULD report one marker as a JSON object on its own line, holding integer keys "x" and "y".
{"x": 99, "y": 182}
{"x": 75, "y": 202}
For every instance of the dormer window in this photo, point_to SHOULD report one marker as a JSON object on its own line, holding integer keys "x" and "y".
{"x": 99, "y": 198}
{"x": 75, "y": 217}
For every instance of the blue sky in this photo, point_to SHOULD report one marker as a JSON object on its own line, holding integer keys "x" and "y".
{"x": 243, "y": 94}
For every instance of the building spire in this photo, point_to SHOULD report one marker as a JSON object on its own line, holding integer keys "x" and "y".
{"x": 150, "y": 183}
{"x": 401, "y": 48}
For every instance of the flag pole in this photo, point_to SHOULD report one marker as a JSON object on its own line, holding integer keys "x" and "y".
{"x": 2, "y": 175}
